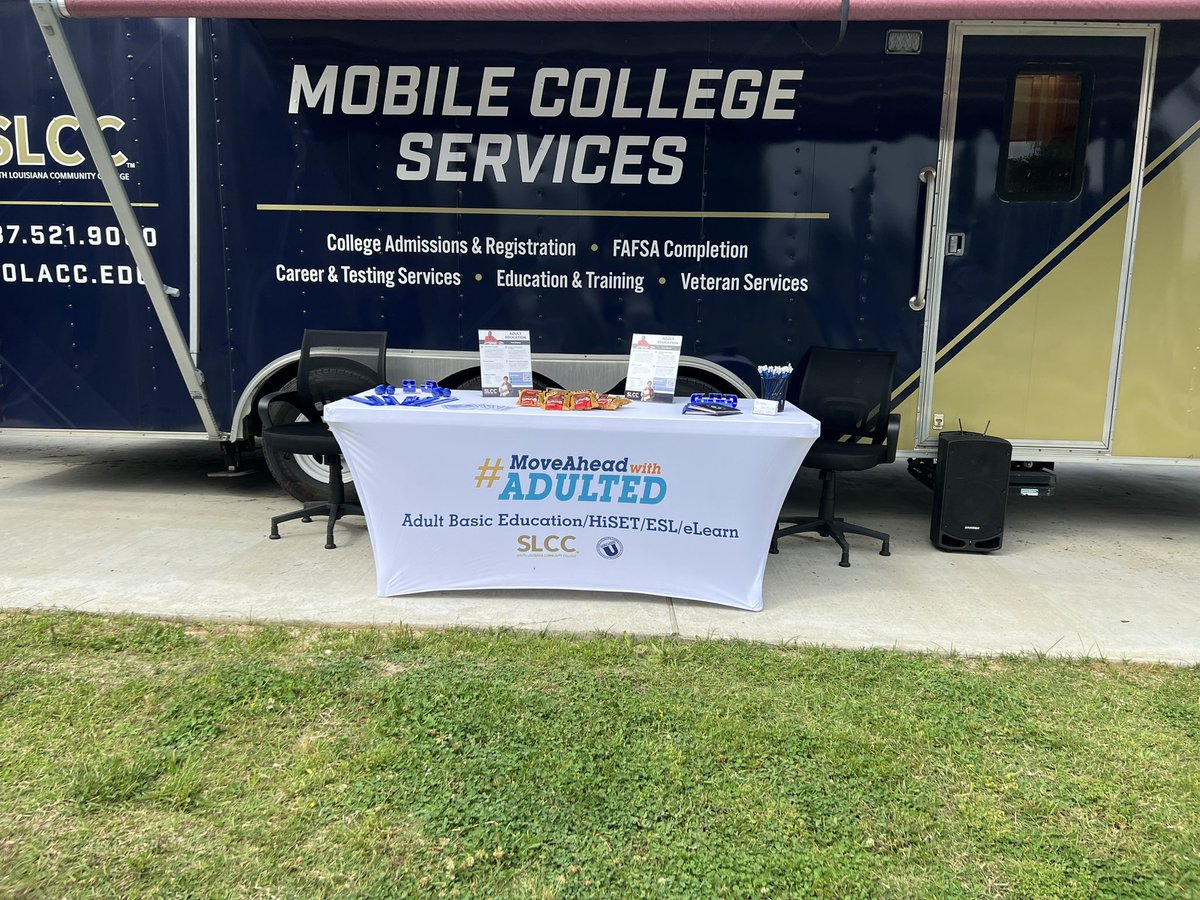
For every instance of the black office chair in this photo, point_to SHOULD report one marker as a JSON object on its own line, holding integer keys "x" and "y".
{"x": 849, "y": 392}
{"x": 333, "y": 365}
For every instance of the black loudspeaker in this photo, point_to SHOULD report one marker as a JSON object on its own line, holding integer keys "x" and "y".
{"x": 970, "y": 492}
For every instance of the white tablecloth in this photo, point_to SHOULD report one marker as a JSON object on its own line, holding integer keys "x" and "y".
{"x": 480, "y": 493}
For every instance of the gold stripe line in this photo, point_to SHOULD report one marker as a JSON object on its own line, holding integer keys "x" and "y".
{"x": 1175, "y": 146}
{"x": 1124, "y": 192}
{"x": 70, "y": 203}
{"x": 500, "y": 211}
{"x": 1078, "y": 232}
{"x": 907, "y": 381}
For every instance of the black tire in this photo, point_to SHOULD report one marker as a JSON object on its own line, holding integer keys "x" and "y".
{"x": 686, "y": 385}
{"x": 306, "y": 477}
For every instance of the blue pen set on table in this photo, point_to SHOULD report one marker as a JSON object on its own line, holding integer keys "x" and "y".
{"x": 775, "y": 382}
{"x": 385, "y": 395}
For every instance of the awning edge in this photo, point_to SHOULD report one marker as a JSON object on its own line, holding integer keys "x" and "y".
{"x": 635, "y": 10}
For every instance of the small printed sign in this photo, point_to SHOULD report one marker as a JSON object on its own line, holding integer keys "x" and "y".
{"x": 505, "y": 365}
{"x": 653, "y": 367}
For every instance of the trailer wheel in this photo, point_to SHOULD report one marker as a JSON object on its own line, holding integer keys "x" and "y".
{"x": 686, "y": 385}
{"x": 303, "y": 476}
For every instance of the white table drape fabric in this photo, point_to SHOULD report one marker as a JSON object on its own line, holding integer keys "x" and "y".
{"x": 480, "y": 493}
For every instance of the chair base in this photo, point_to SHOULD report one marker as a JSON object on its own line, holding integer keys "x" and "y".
{"x": 827, "y": 525}
{"x": 334, "y": 511}
{"x": 836, "y": 529}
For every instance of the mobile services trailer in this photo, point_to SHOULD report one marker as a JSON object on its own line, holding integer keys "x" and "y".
{"x": 1006, "y": 194}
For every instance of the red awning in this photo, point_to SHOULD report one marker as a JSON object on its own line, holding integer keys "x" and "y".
{"x": 639, "y": 10}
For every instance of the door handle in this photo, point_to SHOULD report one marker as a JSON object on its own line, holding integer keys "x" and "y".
{"x": 917, "y": 301}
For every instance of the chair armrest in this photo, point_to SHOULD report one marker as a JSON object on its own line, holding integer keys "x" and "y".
{"x": 265, "y": 401}
{"x": 893, "y": 436}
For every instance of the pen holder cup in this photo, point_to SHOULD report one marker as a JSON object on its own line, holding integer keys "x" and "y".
{"x": 774, "y": 387}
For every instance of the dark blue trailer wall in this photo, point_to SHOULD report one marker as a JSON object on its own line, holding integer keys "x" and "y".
{"x": 562, "y": 178}
{"x": 79, "y": 344}
{"x": 720, "y": 181}
{"x": 727, "y": 182}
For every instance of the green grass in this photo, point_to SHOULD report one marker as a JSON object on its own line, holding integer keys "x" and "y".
{"x": 147, "y": 758}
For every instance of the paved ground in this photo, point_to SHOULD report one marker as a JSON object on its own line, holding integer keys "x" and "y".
{"x": 1109, "y": 567}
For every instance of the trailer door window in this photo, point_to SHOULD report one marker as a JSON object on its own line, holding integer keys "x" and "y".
{"x": 1045, "y": 139}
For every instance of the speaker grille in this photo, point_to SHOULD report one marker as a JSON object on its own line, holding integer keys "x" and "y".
{"x": 970, "y": 492}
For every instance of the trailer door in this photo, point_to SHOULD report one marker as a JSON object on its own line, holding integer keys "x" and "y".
{"x": 1042, "y": 141}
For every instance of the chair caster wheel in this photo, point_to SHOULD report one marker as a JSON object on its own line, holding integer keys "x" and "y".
{"x": 331, "y": 546}
{"x": 845, "y": 564}
{"x": 274, "y": 536}
{"x": 306, "y": 519}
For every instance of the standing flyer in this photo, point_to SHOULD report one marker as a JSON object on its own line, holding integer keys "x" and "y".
{"x": 504, "y": 363}
{"x": 653, "y": 367}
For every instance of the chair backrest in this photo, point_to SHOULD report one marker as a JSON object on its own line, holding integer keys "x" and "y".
{"x": 849, "y": 392}
{"x": 335, "y": 364}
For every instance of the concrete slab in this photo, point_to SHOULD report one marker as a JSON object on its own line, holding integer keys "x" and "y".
{"x": 139, "y": 525}
{"x": 1109, "y": 567}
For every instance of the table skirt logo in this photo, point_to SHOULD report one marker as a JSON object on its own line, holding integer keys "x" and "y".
{"x": 609, "y": 547}
{"x": 572, "y": 479}
{"x": 489, "y": 473}
{"x": 549, "y": 545}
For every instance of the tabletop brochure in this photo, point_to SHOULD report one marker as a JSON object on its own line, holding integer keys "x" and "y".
{"x": 504, "y": 363}
{"x": 653, "y": 367}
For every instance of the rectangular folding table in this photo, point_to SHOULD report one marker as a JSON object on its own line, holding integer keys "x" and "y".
{"x": 481, "y": 493}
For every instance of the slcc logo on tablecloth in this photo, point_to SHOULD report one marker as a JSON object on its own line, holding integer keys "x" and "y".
{"x": 550, "y": 545}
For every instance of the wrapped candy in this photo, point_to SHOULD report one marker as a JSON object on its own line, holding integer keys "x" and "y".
{"x": 611, "y": 401}
{"x": 554, "y": 400}
{"x": 557, "y": 399}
